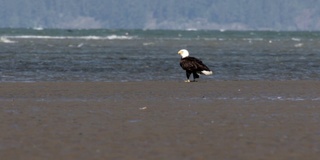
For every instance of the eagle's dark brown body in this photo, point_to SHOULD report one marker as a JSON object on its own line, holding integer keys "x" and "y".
{"x": 194, "y": 66}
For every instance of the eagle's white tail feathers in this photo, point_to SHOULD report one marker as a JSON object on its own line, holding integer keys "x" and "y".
{"x": 206, "y": 72}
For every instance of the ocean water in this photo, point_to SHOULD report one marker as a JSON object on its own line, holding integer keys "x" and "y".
{"x": 31, "y": 55}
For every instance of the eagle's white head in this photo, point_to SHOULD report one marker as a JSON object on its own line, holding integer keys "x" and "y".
{"x": 183, "y": 53}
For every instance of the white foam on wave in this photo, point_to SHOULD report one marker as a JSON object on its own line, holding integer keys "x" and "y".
{"x": 38, "y": 28}
{"x": 298, "y": 45}
{"x": 111, "y": 37}
{"x": 6, "y": 40}
{"x": 191, "y": 29}
{"x": 253, "y": 39}
{"x": 296, "y": 39}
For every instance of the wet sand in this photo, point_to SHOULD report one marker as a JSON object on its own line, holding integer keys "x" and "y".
{"x": 223, "y": 120}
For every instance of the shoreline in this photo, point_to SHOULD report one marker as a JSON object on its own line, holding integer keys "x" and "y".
{"x": 160, "y": 120}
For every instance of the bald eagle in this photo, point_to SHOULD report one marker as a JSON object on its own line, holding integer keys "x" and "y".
{"x": 192, "y": 66}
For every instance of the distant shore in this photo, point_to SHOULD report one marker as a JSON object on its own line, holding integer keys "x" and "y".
{"x": 160, "y": 120}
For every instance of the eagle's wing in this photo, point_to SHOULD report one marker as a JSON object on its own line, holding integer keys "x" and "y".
{"x": 193, "y": 64}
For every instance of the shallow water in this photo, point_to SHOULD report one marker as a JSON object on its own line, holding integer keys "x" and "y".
{"x": 29, "y": 55}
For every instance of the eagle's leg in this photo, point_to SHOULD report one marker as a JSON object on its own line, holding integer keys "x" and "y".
{"x": 195, "y": 75}
{"x": 188, "y": 76}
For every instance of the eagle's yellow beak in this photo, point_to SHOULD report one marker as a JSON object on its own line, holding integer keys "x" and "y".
{"x": 179, "y": 52}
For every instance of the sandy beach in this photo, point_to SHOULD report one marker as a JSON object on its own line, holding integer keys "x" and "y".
{"x": 225, "y": 120}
